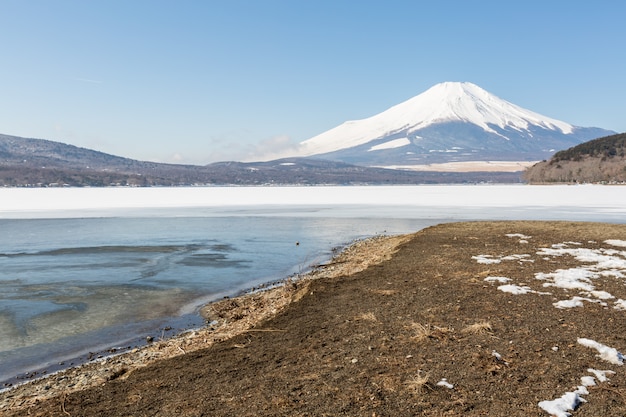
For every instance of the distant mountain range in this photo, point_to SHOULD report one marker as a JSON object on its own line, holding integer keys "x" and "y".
{"x": 450, "y": 122}
{"x": 42, "y": 163}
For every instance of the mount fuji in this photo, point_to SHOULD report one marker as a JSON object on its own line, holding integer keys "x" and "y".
{"x": 450, "y": 122}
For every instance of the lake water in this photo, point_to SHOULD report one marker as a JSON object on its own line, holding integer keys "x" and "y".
{"x": 82, "y": 270}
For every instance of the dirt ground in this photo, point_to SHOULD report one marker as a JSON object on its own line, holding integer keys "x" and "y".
{"x": 418, "y": 332}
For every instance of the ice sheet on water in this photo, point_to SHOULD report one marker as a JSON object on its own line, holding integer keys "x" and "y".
{"x": 458, "y": 201}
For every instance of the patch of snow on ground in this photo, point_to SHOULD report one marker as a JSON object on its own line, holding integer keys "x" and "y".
{"x": 598, "y": 263}
{"x": 601, "y": 375}
{"x": 498, "y": 357}
{"x": 490, "y": 259}
{"x": 444, "y": 383}
{"x": 486, "y": 259}
{"x": 599, "y": 258}
{"x": 606, "y": 353}
{"x": 616, "y": 242}
{"x": 613, "y": 273}
{"x": 588, "y": 381}
{"x": 572, "y": 303}
{"x": 601, "y": 295}
{"x": 521, "y": 236}
{"x": 498, "y": 279}
{"x": 564, "y": 245}
{"x": 576, "y": 302}
{"x": 570, "y": 279}
{"x": 595, "y": 264}
{"x": 515, "y": 289}
{"x": 561, "y": 406}
{"x": 571, "y": 400}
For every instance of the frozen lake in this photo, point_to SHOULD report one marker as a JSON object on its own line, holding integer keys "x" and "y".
{"x": 458, "y": 201}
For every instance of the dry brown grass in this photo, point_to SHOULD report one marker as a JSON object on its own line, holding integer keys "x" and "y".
{"x": 478, "y": 328}
{"x": 417, "y": 383}
{"x": 421, "y": 332}
{"x": 424, "y": 332}
{"x": 369, "y": 316}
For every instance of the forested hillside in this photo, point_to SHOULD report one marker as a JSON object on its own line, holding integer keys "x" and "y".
{"x": 600, "y": 160}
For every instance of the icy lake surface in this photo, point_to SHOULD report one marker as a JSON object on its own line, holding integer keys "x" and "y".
{"x": 84, "y": 269}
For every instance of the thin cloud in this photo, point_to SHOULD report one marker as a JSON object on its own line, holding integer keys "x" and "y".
{"x": 276, "y": 147}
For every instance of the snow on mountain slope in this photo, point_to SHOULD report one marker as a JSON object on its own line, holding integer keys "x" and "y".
{"x": 443, "y": 103}
{"x": 396, "y": 143}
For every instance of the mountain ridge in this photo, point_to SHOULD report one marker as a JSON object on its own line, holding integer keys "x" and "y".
{"x": 26, "y": 162}
{"x": 450, "y": 122}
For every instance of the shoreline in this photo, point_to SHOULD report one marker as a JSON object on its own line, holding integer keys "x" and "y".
{"x": 188, "y": 318}
{"x": 501, "y": 318}
{"x": 225, "y": 318}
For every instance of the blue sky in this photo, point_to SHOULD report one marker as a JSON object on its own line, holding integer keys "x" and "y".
{"x": 204, "y": 81}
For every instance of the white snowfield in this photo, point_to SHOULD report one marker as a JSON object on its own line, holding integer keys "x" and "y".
{"x": 444, "y": 102}
{"x": 456, "y": 202}
{"x": 465, "y": 166}
{"x": 607, "y": 262}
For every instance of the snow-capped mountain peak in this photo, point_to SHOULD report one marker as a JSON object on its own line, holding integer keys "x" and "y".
{"x": 443, "y": 103}
{"x": 467, "y": 102}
